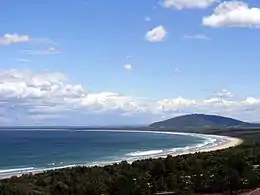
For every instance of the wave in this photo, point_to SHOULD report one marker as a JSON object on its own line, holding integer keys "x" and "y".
{"x": 58, "y": 167}
{"x": 10, "y": 172}
{"x": 17, "y": 170}
{"x": 145, "y": 153}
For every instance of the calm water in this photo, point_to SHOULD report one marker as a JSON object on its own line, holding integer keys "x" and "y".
{"x": 45, "y": 149}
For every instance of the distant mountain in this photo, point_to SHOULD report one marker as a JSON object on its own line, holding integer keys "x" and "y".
{"x": 201, "y": 121}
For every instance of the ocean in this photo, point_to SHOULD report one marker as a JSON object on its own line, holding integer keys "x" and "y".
{"x": 24, "y": 151}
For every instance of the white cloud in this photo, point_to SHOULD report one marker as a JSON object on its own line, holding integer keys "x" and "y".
{"x": 14, "y": 38}
{"x": 17, "y": 84}
{"x": 128, "y": 57}
{"x": 147, "y": 19}
{"x": 48, "y": 51}
{"x": 128, "y": 67}
{"x": 251, "y": 100}
{"x": 8, "y": 39}
{"x": 233, "y": 14}
{"x": 49, "y": 97}
{"x": 156, "y": 34}
{"x": 53, "y": 49}
{"x": 197, "y": 36}
{"x": 188, "y": 4}
{"x": 224, "y": 94}
{"x": 175, "y": 103}
{"x": 24, "y": 60}
{"x": 176, "y": 70}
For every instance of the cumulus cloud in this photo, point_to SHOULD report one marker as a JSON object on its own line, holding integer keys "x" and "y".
{"x": 251, "y": 100}
{"x": 8, "y": 39}
{"x": 188, "y": 4}
{"x": 39, "y": 97}
{"x": 17, "y": 84}
{"x": 197, "y": 37}
{"x": 224, "y": 93}
{"x": 233, "y": 14}
{"x": 128, "y": 67}
{"x": 48, "y": 93}
{"x": 175, "y": 103}
{"x": 157, "y": 34}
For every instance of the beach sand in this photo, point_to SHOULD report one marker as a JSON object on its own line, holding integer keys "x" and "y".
{"x": 223, "y": 143}
{"x": 227, "y": 143}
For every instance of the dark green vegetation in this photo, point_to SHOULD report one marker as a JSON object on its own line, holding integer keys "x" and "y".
{"x": 227, "y": 171}
{"x": 201, "y": 121}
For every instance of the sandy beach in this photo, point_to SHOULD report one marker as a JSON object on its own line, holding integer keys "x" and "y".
{"x": 228, "y": 143}
{"x": 223, "y": 142}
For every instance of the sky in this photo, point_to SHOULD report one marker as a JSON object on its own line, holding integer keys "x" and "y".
{"x": 86, "y": 62}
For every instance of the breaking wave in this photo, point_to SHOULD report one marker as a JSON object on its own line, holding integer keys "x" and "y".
{"x": 145, "y": 153}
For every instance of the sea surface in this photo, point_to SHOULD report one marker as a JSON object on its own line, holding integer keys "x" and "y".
{"x": 32, "y": 150}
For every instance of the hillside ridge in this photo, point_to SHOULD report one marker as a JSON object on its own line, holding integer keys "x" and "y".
{"x": 200, "y": 120}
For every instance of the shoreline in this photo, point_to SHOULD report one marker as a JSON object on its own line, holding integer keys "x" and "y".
{"x": 232, "y": 142}
{"x": 222, "y": 142}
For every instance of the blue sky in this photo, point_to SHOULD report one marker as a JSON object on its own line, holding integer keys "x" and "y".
{"x": 159, "y": 56}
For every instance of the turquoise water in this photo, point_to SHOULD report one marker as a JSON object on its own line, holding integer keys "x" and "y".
{"x": 39, "y": 149}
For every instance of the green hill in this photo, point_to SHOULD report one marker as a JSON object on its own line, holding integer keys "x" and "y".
{"x": 200, "y": 121}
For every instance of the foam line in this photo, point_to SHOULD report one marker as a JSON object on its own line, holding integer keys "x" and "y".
{"x": 16, "y": 170}
{"x": 145, "y": 153}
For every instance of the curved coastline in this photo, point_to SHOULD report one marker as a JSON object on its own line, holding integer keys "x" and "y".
{"x": 213, "y": 143}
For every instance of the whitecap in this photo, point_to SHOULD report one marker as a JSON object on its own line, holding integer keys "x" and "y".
{"x": 17, "y": 170}
{"x": 145, "y": 153}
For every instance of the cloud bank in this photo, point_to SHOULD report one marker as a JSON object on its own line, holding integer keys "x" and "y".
{"x": 49, "y": 98}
